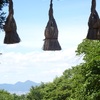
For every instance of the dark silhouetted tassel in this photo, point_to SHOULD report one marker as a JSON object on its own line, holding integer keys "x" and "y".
{"x": 51, "y": 33}
{"x": 93, "y": 23}
{"x": 10, "y": 27}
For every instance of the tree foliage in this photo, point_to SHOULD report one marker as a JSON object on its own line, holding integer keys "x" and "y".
{"x": 4, "y": 95}
{"x": 91, "y": 68}
{"x": 2, "y": 13}
{"x": 81, "y": 82}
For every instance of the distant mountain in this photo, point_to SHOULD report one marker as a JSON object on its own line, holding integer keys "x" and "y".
{"x": 19, "y": 87}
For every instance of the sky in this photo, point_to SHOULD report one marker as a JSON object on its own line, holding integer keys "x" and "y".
{"x": 26, "y": 60}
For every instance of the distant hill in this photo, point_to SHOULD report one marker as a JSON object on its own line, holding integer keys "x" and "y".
{"x": 19, "y": 87}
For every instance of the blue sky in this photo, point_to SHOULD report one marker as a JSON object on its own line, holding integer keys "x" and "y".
{"x": 27, "y": 60}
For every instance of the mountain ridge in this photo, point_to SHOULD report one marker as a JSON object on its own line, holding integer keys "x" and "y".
{"x": 22, "y": 87}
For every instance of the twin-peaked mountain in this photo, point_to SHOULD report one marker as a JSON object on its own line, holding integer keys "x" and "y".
{"x": 19, "y": 87}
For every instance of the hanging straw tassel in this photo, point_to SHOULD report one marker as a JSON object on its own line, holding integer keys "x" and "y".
{"x": 93, "y": 23}
{"x": 51, "y": 33}
{"x": 10, "y": 27}
{"x": 97, "y": 26}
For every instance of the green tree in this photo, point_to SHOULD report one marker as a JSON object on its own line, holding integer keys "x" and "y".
{"x": 19, "y": 97}
{"x": 2, "y": 13}
{"x": 81, "y": 82}
{"x": 35, "y": 93}
{"x": 91, "y": 68}
{"x": 4, "y": 95}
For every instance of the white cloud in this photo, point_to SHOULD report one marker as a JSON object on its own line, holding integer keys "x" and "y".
{"x": 36, "y": 66}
